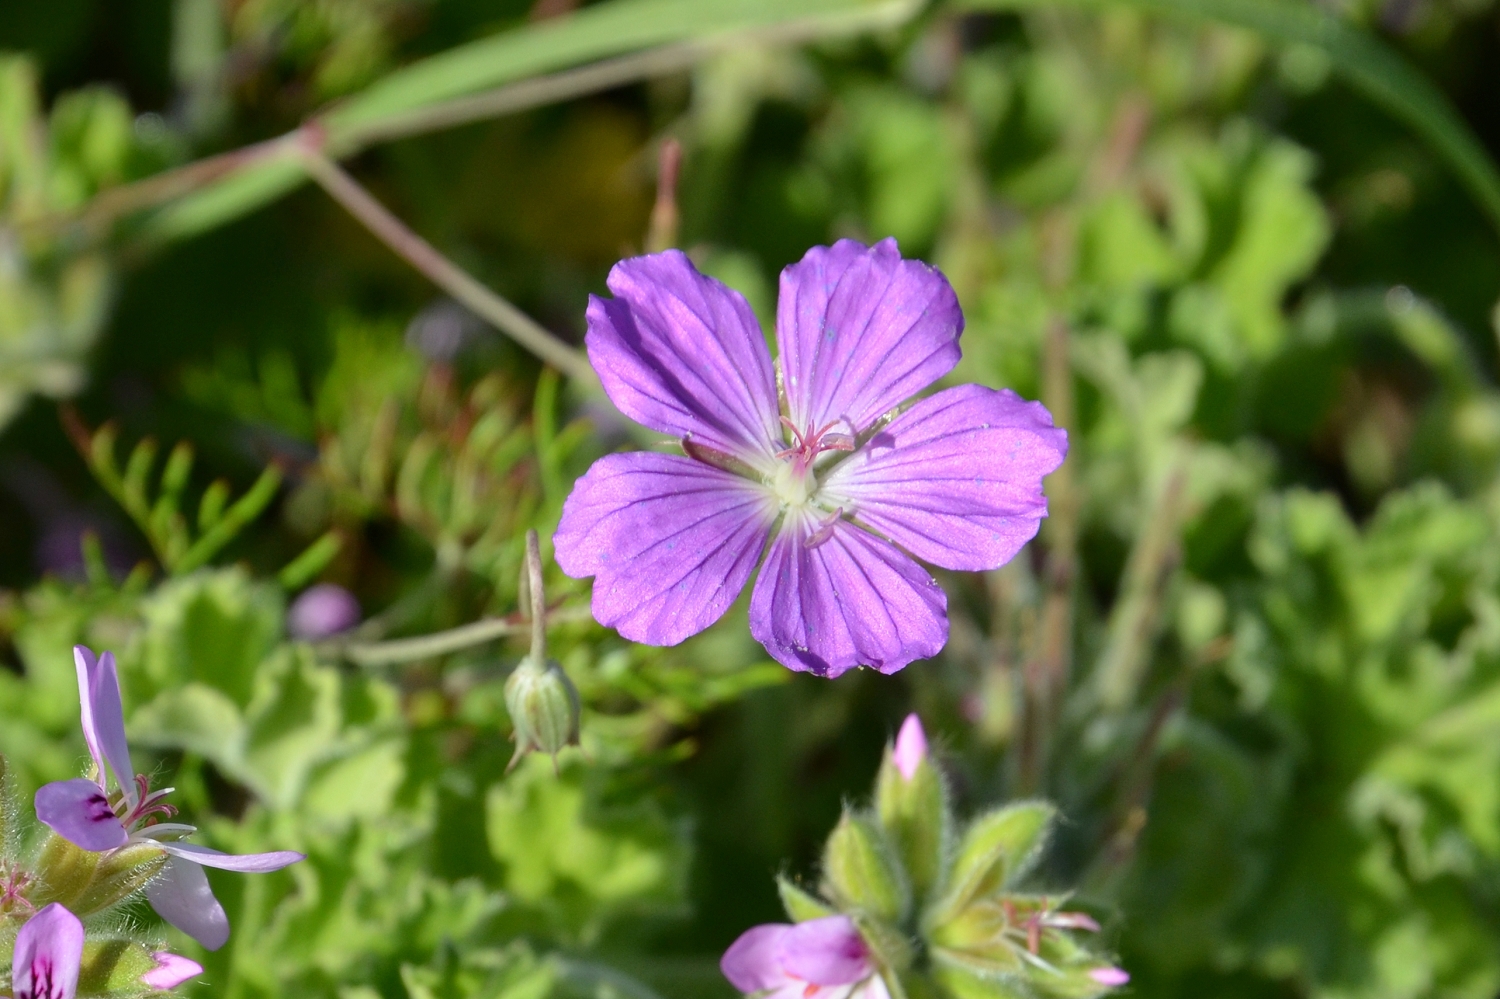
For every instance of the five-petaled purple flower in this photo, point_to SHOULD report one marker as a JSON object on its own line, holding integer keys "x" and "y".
{"x": 819, "y": 959}
{"x": 672, "y": 540}
{"x": 84, "y": 812}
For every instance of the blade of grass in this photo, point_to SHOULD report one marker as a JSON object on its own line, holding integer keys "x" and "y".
{"x": 602, "y": 46}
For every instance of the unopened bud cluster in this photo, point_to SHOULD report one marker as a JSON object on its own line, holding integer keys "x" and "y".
{"x": 909, "y": 907}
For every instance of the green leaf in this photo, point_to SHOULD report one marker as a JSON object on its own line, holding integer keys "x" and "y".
{"x": 1363, "y": 60}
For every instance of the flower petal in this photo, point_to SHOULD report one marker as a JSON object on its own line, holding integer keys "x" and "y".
{"x": 851, "y": 600}
{"x": 48, "y": 952}
{"x": 103, "y": 717}
{"x": 827, "y": 951}
{"x": 181, "y": 895}
{"x": 78, "y": 812}
{"x": 247, "y": 863}
{"x": 751, "y": 963}
{"x": 957, "y": 479}
{"x": 911, "y": 747}
{"x": 861, "y": 330}
{"x": 672, "y": 542}
{"x": 683, "y": 354}
{"x": 171, "y": 971}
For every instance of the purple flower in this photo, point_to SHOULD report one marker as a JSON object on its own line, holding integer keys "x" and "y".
{"x": 837, "y": 494}
{"x": 84, "y": 812}
{"x": 911, "y": 747}
{"x": 322, "y": 610}
{"x": 819, "y": 959}
{"x": 47, "y": 955}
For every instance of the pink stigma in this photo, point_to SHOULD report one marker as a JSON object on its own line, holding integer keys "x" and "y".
{"x": 809, "y": 444}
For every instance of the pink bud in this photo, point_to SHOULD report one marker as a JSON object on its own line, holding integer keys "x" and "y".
{"x": 1112, "y": 977}
{"x": 911, "y": 747}
{"x": 322, "y": 610}
{"x": 171, "y": 971}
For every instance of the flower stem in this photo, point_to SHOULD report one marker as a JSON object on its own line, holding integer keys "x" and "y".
{"x": 404, "y": 650}
{"x": 443, "y": 272}
{"x": 538, "y": 601}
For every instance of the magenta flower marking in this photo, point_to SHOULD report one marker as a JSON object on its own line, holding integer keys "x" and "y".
{"x": 819, "y": 959}
{"x": 837, "y": 495}
{"x": 911, "y": 747}
{"x": 47, "y": 956}
{"x": 87, "y": 814}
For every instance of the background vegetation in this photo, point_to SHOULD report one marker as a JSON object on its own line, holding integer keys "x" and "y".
{"x": 1248, "y": 257}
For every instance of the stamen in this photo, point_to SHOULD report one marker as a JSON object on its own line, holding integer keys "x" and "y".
{"x": 824, "y": 531}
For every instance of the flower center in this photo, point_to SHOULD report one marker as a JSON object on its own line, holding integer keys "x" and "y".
{"x": 794, "y": 485}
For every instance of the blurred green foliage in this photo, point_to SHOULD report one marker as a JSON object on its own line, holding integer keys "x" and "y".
{"x": 1254, "y": 656}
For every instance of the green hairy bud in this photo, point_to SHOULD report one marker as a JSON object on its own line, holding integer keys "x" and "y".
{"x": 860, "y": 871}
{"x": 88, "y": 882}
{"x": 914, "y": 812}
{"x": 113, "y": 967}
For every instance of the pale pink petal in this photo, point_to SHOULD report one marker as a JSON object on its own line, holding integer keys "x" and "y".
{"x": 860, "y": 331}
{"x": 911, "y": 747}
{"x": 78, "y": 812}
{"x": 103, "y": 717}
{"x": 47, "y": 955}
{"x": 671, "y": 541}
{"x": 1112, "y": 977}
{"x": 171, "y": 971}
{"x": 851, "y": 600}
{"x": 957, "y": 479}
{"x": 751, "y": 963}
{"x": 872, "y": 988}
{"x": 181, "y": 895}
{"x": 827, "y": 951}
{"x": 245, "y": 863}
{"x": 683, "y": 354}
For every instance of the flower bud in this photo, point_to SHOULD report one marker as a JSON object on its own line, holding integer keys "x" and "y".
{"x": 88, "y": 882}
{"x": 912, "y": 804}
{"x": 322, "y": 610}
{"x": 115, "y": 965}
{"x": 860, "y": 872}
{"x": 543, "y": 706}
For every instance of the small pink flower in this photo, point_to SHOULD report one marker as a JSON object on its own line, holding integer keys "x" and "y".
{"x": 911, "y": 747}
{"x": 819, "y": 959}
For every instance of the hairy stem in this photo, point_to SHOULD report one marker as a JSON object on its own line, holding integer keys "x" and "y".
{"x": 443, "y": 272}
{"x": 538, "y": 594}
